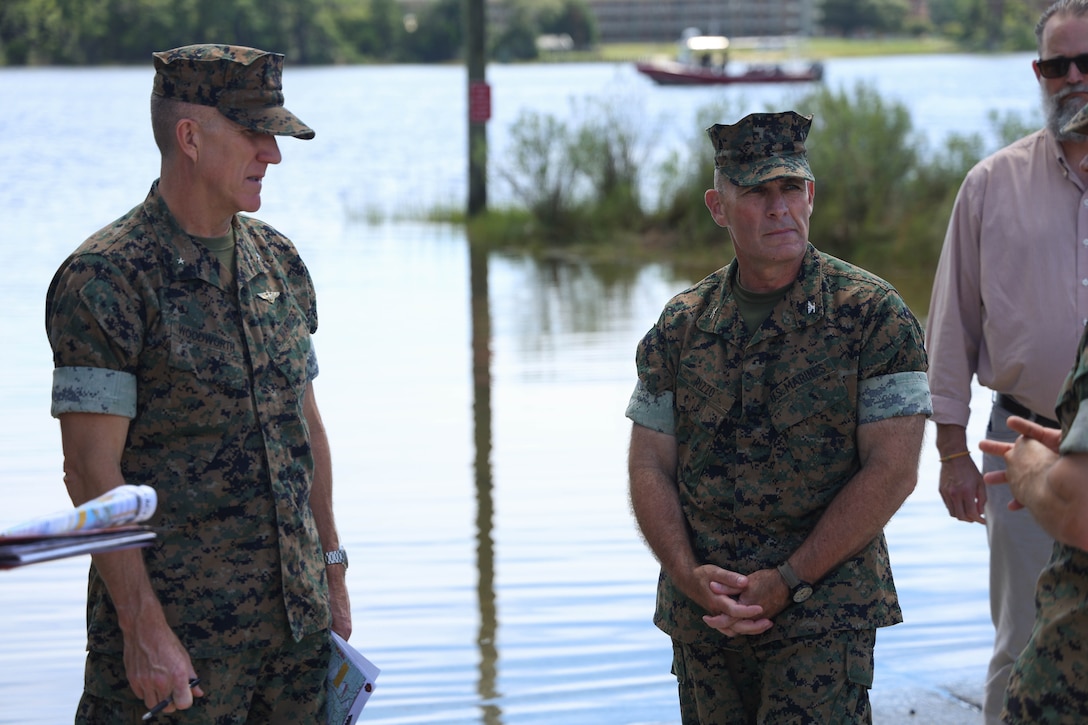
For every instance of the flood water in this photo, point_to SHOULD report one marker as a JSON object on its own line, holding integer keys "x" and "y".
{"x": 474, "y": 403}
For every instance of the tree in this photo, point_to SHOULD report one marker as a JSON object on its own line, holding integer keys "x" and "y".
{"x": 573, "y": 18}
{"x": 517, "y": 41}
{"x": 438, "y": 35}
{"x": 851, "y": 17}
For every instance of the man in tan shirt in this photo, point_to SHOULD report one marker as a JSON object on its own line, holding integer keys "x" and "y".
{"x": 1010, "y": 300}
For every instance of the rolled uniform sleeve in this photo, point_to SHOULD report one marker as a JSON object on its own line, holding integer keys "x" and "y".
{"x": 893, "y": 365}
{"x": 652, "y": 403}
{"x": 312, "y": 368}
{"x": 652, "y": 411}
{"x": 93, "y": 390}
{"x": 1076, "y": 440}
{"x": 1071, "y": 410}
{"x": 96, "y": 334}
{"x": 889, "y": 396}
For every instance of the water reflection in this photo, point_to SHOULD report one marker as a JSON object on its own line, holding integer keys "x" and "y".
{"x": 485, "y": 545}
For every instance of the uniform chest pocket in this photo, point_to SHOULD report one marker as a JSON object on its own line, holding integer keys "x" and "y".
{"x": 208, "y": 359}
{"x": 815, "y": 420}
{"x": 818, "y": 396}
{"x": 203, "y": 390}
{"x": 289, "y": 347}
{"x": 700, "y": 403}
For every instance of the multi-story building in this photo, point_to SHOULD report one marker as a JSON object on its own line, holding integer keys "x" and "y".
{"x": 666, "y": 20}
{"x": 663, "y": 20}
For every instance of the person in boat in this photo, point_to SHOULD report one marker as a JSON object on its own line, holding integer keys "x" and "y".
{"x": 181, "y": 338}
{"x": 1013, "y": 326}
{"x": 777, "y": 425}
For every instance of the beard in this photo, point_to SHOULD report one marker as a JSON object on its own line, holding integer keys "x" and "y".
{"x": 1059, "y": 111}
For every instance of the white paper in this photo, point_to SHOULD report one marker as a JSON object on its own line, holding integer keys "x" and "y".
{"x": 127, "y": 504}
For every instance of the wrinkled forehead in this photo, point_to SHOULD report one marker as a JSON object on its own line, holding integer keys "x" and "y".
{"x": 1065, "y": 33}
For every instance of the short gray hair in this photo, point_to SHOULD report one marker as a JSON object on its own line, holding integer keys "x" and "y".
{"x": 1072, "y": 8}
{"x": 165, "y": 114}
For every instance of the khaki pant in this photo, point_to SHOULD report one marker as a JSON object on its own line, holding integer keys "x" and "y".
{"x": 1019, "y": 549}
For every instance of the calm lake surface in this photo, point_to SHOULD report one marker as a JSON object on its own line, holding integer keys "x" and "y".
{"x": 496, "y": 575}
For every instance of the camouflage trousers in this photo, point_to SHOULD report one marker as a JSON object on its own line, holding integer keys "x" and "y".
{"x": 276, "y": 686}
{"x": 819, "y": 680}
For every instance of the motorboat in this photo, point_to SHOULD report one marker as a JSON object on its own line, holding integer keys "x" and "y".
{"x": 704, "y": 60}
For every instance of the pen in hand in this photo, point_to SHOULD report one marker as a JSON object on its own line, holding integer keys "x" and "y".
{"x": 166, "y": 703}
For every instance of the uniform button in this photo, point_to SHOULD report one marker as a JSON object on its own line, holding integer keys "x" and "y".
{"x": 1084, "y": 242}
{"x": 1084, "y": 282}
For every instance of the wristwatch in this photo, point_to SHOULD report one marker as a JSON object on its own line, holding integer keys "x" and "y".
{"x": 799, "y": 590}
{"x": 340, "y": 556}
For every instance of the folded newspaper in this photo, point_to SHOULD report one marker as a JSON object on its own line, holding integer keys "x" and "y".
{"x": 107, "y": 523}
{"x": 351, "y": 680}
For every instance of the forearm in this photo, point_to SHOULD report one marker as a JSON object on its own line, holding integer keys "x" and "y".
{"x": 125, "y": 576}
{"x": 321, "y": 486}
{"x": 324, "y": 519}
{"x": 858, "y": 514}
{"x": 951, "y": 439}
{"x": 655, "y": 501}
{"x": 321, "y": 495}
{"x": 660, "y": 519}
{"x": 92, "y": 445}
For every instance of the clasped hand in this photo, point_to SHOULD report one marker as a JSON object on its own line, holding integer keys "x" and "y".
{"x": 743, "y": 605}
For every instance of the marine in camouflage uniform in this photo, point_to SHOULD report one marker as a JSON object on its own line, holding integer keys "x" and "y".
{"x": 765, "y": 426}
{"x": 1049, "y": 681}
{"x": 210, "y": 361}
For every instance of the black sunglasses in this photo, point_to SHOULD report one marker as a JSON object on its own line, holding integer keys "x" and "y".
{"x": 1058, "y": 67}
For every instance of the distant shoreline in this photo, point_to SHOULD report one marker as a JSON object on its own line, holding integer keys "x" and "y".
{"x": 823, "y": 48}
{"x": 809, "y": 48}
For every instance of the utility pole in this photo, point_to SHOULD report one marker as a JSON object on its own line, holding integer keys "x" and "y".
{"x": 479, "y": 103}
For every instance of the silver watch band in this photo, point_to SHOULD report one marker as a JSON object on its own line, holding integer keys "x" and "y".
{"x": 340, "y": 556}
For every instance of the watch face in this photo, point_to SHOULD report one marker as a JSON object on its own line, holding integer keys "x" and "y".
{"x": 802, "y": 593}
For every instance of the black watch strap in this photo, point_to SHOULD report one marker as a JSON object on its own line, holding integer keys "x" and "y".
{"x": 799, "y": 590}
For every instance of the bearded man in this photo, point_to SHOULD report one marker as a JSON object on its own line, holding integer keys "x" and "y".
{"x": 1009, "y": 303}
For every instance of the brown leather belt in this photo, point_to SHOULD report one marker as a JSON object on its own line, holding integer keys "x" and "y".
{"x": 1010, "y": 404}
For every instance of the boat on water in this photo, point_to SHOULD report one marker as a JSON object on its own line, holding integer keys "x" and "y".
{"x": 704, "y": 60}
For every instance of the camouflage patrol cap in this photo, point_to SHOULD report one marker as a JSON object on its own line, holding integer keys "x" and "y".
{"x": 1078, "y": 123}
{"x": 762, "y": 147}
{"x": 244, "y": 84}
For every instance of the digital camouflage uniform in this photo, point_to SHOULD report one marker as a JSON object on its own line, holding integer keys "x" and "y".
{"x": 213, "y": 381}
{"x": 212, "y": 374}
{"x": 766, "y": 432}
{"x": 1049, "y": 682}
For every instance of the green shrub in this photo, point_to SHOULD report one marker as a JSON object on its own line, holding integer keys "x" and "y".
{"x": 680, "y": 214}
{"x": 883, "y": 198}
{"x": 862, "y": 151}
{"x": 579, "y": 180}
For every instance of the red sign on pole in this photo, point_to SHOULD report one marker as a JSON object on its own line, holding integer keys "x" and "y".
{"x": 479, "y": 102}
